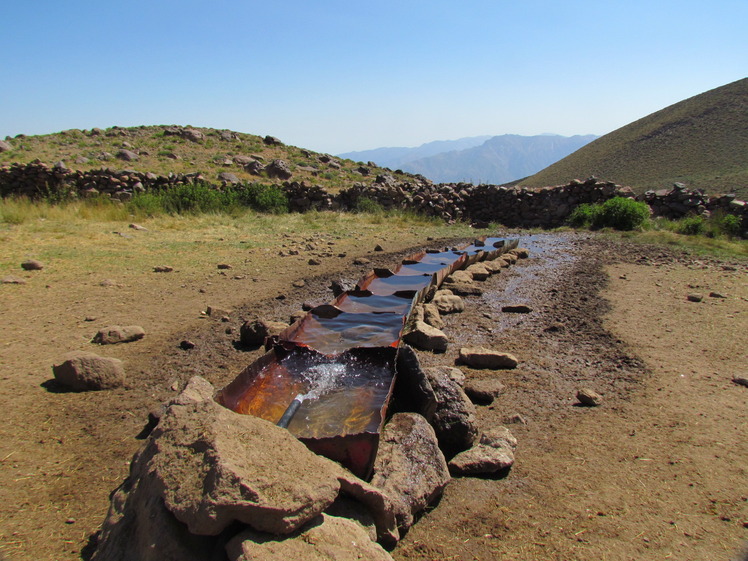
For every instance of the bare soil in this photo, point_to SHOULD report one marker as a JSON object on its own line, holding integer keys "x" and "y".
{"x": 659, "y": 471}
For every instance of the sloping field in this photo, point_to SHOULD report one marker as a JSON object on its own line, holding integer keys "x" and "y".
{"x": 701, "y": 141}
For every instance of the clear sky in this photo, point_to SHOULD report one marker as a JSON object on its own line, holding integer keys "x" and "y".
{"x": 336, "y": 76}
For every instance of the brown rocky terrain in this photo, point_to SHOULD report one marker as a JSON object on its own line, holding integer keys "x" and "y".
{"x": 657, "y": 471}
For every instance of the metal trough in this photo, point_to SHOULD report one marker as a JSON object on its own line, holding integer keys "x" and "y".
{"x": 329, "y": 377}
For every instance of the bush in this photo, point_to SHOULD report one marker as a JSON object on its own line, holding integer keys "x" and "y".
{"x": 262, "y": 198}
{"x": 582, "y": 216}
{"x": 728, "y": 224}
{"x": 620, "y": 213}
{"x": 368, "y": 206}
{"x": 690, "y": 226}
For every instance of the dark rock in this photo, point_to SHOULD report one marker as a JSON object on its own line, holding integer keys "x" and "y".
{"x": 516, "y": 309}
{"x": 12, "y": 279}
{"x": 716, "y": 295}
{"x": 740, "y": 381}
{"x": 163, "y": 269}
{"x": 694, "y": 297}
{"x": 254, "y": 333}
{"x": 378, "y": 248}
{"x": 341, "y": 286}
{"x": 32, "y": 265}
{"x": 454, "y": 418}
{"x": 186, "y": 345}
{"x": 82, "y": 371}
{"x": 115, "y": 334}
{"x": 272, "y": 141}
{"x": 278, "y": 169}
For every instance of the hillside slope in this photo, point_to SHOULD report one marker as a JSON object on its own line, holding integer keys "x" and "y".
{"x": 701, "y": 141}
{"x": 498, "y": 160}
{"x": 169, "y": 149}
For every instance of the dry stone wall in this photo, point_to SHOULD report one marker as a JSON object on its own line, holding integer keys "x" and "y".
{"x": 545, "y": 207}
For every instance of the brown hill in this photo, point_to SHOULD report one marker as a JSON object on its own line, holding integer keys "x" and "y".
{"x": 701, "y": 141}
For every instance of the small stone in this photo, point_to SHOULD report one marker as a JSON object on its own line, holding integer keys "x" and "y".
{"x": 483, "y": 392}
{"x": 224, "y": 266}
{"x": 589, "y": 398}
{"x": 32, "y": 265}
{"x": 116, "y": 334}
{"x": 521, "y": 252}
{"x": 163, "y": 269}
{"x": 479, "y": 357}
{"x": 716, "y": 295}
{"x": 216, "y": 312}
{"x": 516, "y": 309}
{"x": 70, "y": 521}
{"x": 695, "y": 297}
{"x": 299, "y": 284}
{"x": 361, "y": 261}
{"x": 516, "y": 419}
{"x": 481, "y": 459}
{"x": 426, "y": 338}
{"x": 740, "y": 381}
{"x": 378, "y": 248}
{"x": 448, "y": 303}
{"x": 186, "y": 345}
{"x": 82, "y": 371}
{"x": 12, "y": 279}
{"x": 313, "y": 261}
{"x": 138, "y": 227}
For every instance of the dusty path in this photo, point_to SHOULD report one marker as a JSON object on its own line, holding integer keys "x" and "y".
{"x": 661, "y": 470}
{"x": 658, "y": 471}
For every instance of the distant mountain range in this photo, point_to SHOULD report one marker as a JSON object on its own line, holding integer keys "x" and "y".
{"x": 701, "y": 141}
{"x": 478, "y": 159}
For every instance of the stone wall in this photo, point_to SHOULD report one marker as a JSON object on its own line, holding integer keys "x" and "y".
{"x": 545, "y": 207}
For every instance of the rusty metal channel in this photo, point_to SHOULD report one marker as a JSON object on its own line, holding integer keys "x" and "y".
{"x": 332, "y": 372}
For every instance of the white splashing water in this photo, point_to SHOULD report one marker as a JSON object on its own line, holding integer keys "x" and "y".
{"x": 322, "y": 378}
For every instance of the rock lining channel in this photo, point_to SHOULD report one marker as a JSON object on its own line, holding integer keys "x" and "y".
{"x": 210, "y": 483}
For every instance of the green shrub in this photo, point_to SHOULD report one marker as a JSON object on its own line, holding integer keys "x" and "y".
{"x": 146, "y": 204}
{"x": 369, "y": 206}
{"x": 263, "y": 198}
{"x": 620, "y": 213}
{"x": 728, "y": 224}
{"x": 690, "y": 226}
{"x": 582, "y": 216}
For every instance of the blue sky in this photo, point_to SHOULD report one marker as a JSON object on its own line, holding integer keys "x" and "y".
{"x": 337, "y": 76}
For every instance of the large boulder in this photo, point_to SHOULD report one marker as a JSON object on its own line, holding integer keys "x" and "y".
{"x": 410, "y": 467}
{"x": 204, "y": 468}
{"x": 83, "y": 371}
{"x": 454, "y": 419}
{"x": 278, "y": 169}
{"x": 116, "y": 334}
{"x": 323, "y": 539}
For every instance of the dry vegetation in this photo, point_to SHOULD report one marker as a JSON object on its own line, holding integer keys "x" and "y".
{"x": 701, "y": 141}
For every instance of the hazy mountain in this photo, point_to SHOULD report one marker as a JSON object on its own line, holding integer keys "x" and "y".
{"x": 499, "y": 159}
{"x": 701, "y": 141}
{"x": 395, "y": 157}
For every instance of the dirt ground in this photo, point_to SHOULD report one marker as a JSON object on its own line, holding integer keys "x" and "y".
{"x": 659, "y": 471}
